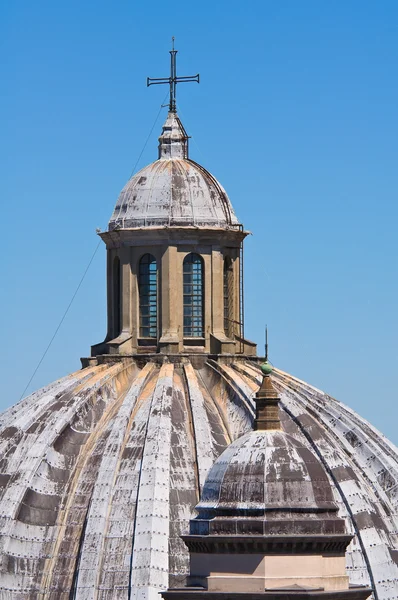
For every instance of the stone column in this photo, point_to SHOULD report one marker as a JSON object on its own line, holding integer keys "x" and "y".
{"x": 220, "y": 343}
{"x": 125, "y": 295}
{"x": 109, "y": 291}
{"x": 125, "y": 345}
{"x": 207, "y": 298}
{"x": 217, "y": 299}
{"x": 135, "y": 254}
{"x": 236, "y": 299}
{"x": 171, "y": 305}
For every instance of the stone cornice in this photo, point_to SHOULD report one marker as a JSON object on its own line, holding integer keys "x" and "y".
{"x": 235, "y": 544}
{"x": 177, "y": 235}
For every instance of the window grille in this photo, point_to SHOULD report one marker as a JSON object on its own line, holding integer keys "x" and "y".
{"x": 193, "y": 296}
{"x": 147, "y": 288}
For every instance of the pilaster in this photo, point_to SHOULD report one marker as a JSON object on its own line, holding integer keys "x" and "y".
{"x": 171, "y": 305}
{"x": 219, "y": 342}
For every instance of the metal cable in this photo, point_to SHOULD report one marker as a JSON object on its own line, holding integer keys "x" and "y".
{"x": 88, "y": 266}
{"x": 61, "y": 321}
{"x": 191, "y": 136}
{"x": 149, "y": 135}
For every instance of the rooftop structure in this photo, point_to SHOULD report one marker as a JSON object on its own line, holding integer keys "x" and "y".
{"x": 174, "y": 191}
{"x": 267, "y": 525}
{"x": 101, "y": 471}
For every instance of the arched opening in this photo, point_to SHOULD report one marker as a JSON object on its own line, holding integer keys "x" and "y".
{"x": 193, "y": 296}
{"x": 228, "y": 297}
{"x": 117, "y": 309}
{"x": 148, "y": 293}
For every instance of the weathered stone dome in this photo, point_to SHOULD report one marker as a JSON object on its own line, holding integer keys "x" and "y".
{"x": 264, "y": 471}
{"x": 267, "y": 483}
{"x": 173, "y": 191}
{"x": 101, "y": 471}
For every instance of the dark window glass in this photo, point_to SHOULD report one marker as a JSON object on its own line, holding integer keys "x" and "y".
{"x": 147, "y": 288}
{"x": 193, "y": 296}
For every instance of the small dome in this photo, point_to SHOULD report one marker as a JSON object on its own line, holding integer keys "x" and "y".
{"x": 267, "y": 483}
{"x": 173, "y": 191}
{"x": 266, "y": 470}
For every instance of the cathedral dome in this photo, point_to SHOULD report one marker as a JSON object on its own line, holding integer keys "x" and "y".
{"x": 101, "y": 472}
{"x": 173, "y": 191}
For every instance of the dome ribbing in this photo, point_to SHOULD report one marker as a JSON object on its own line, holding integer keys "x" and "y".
{"x": 264, "y": 471}
{"x": 101, "y": 471}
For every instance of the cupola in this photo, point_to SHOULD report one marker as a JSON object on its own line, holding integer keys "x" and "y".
{"x": 175, "y": 256}
{"x": 173, "y": 191}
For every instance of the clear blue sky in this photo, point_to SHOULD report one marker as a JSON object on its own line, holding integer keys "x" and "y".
{"x": 296, "y": 115}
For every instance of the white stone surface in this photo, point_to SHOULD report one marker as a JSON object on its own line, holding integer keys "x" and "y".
{"x": 100, "y": 473}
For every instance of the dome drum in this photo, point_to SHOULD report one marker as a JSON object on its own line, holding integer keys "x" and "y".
{"x": 174, "y": 298}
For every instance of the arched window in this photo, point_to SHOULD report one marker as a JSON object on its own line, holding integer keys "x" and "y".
{"x": 228, "y": 297}
{"x": 117, "y": 309}
{"x": 193, "y": 296}
{"x": 148, "y": 293}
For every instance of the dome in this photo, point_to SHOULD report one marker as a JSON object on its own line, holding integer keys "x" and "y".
{"x": 173, "y": 191}
{"x": 101, "y": 472}
{"x": 267, "y": 483}
{"x": 268, "y": 504}
{"x": 264, "y": 471}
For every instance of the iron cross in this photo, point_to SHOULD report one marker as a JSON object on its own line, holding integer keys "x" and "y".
{"x": 173, "y": 79}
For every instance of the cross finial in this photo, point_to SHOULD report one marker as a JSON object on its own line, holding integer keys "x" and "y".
{"x": 173, "y": 79}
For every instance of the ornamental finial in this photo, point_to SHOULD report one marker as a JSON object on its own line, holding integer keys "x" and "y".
{"x": 266, "y": 367}
{"x": 267, "y": 399}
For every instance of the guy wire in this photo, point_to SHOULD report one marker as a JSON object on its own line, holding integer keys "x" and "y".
{"x": 86, "y": 270}
{"x": 61, "y": 321}
{"x": 149, "y": 135}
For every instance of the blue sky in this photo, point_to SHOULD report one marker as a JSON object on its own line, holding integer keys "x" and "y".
{"x": 296, "y": 115}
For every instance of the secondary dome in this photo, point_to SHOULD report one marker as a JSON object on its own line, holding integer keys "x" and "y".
{"x": 264, "y": 471}
{"x": 267, "y": 483}
{"x": 173, "y": 191}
